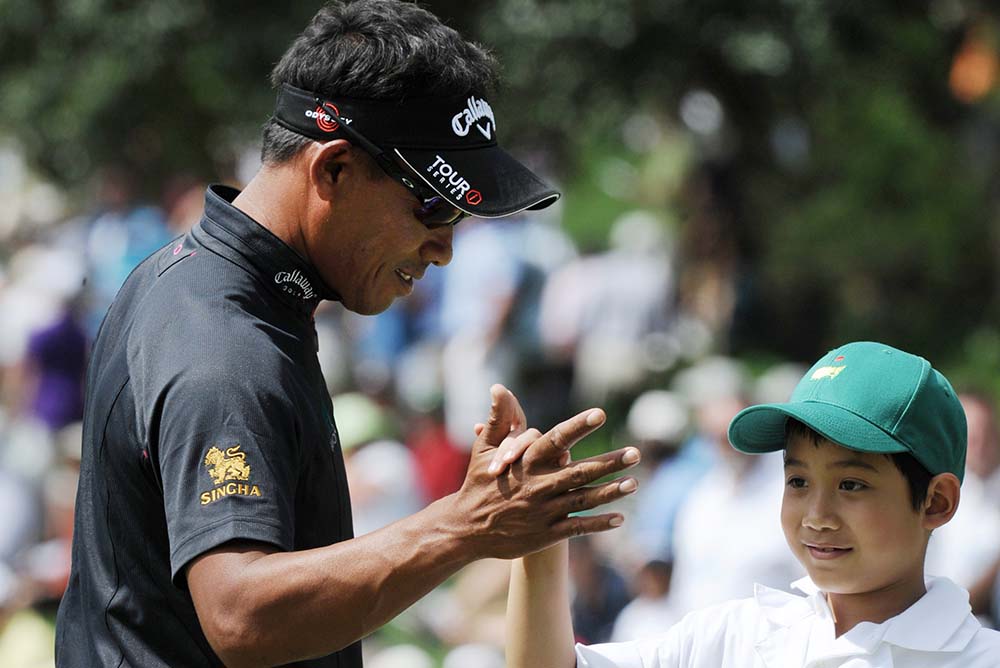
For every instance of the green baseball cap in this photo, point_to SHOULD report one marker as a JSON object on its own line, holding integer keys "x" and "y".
{"x": 869, "y": 397}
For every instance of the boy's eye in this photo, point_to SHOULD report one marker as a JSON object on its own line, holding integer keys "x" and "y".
{"x": 852, "y": 486}
{"x": 796, "y": 483}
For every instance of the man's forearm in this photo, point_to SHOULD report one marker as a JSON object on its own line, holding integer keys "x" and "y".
{"x": 260, "y": 607}
{"x": 539, "y": 628}
{"x": 288, "y": 606}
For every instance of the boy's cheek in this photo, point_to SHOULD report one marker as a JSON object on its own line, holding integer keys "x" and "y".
{"x": 791, "y": 520}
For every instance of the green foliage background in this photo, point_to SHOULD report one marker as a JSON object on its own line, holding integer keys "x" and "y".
{"x": 885, "y": 229}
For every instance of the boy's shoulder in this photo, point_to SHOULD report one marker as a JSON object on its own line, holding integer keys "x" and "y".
{"x": 983, "y": 649}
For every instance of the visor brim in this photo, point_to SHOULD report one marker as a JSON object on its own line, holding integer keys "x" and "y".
{"x": 485, "y": 182}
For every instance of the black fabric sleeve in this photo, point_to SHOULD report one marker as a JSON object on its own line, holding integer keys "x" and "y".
{"x": 229, "y": 461}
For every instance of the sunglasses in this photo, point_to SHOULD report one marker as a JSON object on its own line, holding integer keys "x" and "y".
{"x": 434, "y": 211}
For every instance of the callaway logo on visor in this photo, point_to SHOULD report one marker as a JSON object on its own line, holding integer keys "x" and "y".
{"x": 475, "y": 110}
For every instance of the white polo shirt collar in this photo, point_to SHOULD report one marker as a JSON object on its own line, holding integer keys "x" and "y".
{"x": 939, "y": 621}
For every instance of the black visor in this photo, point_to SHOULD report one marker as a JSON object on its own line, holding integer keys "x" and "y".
{"x": 450, "y": 144}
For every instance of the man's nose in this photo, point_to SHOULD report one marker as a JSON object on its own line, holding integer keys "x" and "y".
{"x": 437, "y": 248}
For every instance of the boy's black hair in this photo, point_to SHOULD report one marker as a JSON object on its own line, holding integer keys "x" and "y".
{"x": 917, "y": 477}
{"x": 377, "y": 49}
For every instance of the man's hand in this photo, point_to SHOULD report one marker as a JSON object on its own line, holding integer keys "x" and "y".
{"x": 525, "y": 503}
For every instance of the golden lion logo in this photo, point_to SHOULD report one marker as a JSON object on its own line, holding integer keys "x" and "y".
{"x": 229, "y": 466}
{"x": 827, "y": 372}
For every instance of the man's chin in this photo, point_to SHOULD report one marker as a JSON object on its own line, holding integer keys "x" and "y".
{"x": 368, "y": 307}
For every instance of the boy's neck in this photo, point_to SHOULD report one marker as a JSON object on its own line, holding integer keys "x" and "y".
{"x": 875, "y": 606}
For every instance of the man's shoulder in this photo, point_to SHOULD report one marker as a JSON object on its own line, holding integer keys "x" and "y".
{"x": 202, "y": 316}
{"x": 202, "y": 297}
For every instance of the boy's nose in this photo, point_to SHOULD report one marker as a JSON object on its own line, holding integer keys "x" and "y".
{"x": 820, "y": 514}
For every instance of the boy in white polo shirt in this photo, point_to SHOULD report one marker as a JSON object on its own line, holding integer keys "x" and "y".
{"x": 874, "y": 446}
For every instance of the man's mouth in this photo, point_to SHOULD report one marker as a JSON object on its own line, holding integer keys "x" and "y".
{"x": 405, "y": 277}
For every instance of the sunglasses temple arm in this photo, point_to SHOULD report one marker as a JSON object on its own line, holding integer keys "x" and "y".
{"x": 354, "y": 136}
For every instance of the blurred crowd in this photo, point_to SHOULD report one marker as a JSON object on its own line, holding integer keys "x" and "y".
{"x": 635, "y": 326}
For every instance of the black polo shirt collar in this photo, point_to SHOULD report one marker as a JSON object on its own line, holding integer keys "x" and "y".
{"x": 238, "y": 237}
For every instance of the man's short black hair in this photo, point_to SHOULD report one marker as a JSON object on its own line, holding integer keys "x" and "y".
{"x": 917, "y": 477}
{"x": 377, "y": 49}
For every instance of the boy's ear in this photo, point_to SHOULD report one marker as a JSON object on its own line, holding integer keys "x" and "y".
{"x": 943, "y": 494}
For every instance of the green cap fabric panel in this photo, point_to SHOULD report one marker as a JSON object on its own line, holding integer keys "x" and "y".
{"x": 870, "y": 397}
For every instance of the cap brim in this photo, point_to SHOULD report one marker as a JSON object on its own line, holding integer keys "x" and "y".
{"x": 486, "y": 182}
{"x": 762, "y": 428}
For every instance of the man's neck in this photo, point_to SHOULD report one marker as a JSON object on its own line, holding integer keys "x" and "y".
{"x": 271, "y": 199}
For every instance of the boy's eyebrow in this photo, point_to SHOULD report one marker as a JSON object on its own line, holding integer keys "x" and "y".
{"x": 841, "y": 464}
{"x": 854, "y": 463}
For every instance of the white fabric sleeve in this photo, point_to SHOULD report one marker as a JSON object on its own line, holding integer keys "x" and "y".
{"x": 660, "y": 651}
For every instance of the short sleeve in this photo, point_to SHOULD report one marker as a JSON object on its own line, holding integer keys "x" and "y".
{"x": 660, "y": 651}
{"x": 608, "y": 655}
{"x": 228, "y": 457}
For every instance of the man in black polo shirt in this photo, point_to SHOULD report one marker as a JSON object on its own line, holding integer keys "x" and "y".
{"x": 213, "y": 520}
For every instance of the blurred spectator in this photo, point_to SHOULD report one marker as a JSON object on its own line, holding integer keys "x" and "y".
{"x": 777, "y": 383}
{"x": 599, "y": 592}
{"x": 649, "y": 612}
{"x": 471, "y": 612}
{"x": 965, "y": 548}
{"x": 982, "y": 461}
{"x": 381, "y": 471}
{"x": 400, "y": 656}
{"x": 481, "y": 656}
{"x": 441, "y": 464}
{"x": 55, "y": 364}
{"x": 39, "y": 288}
{"x": 727, "y": 536}
{"x": 601, "y": 308}
{"x": 26, "y": 638}
{"x": 22, "y": 516}
{"x": 480, "y": 286}
{"x": 658, "y": 421}
{"x": 120, "y": 234}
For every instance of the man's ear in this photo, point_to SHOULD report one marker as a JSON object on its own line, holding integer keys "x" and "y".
{"x": 327, "y": 165}
{"x": 943, "y": 494}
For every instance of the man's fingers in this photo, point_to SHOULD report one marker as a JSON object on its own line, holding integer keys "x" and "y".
{"x": 566, "y": 434}
{"x": 579, "y": 525}
{"x": 586, "y": 498}
{"x": 586, "y": 471}
{"x": 511, "y": 449}
{"x": 478, "y": 429}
